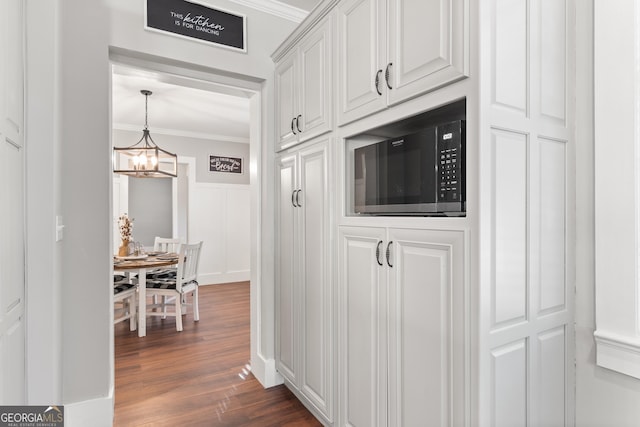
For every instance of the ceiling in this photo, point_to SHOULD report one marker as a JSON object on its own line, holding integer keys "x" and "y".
{"x": 185, "y": 107}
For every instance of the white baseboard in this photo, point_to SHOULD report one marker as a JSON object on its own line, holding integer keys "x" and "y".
{"x": 230, "y": 277}
{"x": 94, "y": 413}
{"x": 265, "y": 371}
{"x": 618, "y": 353}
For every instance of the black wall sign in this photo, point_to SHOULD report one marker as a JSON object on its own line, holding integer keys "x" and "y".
{"x": 225, "y": 164}
{"x": 193, "y": 20}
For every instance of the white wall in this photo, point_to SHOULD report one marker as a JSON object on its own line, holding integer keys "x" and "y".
{"x": 82, "y": 39}
{"x": 603, "y": 397}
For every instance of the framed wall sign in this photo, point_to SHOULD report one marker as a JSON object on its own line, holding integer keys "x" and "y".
{"x": 196, "y": 21}
{"x": 225, "y": 164}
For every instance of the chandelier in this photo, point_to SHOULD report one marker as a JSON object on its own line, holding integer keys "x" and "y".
{"x": 145, "y": 159}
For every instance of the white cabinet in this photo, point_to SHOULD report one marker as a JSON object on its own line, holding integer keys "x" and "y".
{"x": 393, "y": 50}
{"x": 304, "y": 86}
{"x": 304, "y": 319}
{"x": 401, "y": 327}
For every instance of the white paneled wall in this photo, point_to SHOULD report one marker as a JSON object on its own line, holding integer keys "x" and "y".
{"x": 219, "y": 216}
{"x": 527, "y": 340}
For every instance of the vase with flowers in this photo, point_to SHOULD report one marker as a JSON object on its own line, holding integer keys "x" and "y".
{"x": 126, "y": 228}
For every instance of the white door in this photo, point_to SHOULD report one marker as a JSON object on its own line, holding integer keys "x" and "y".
{"x": 316, "y": 83}
{"x": 287, "y": 304}
{"x": 426, "y": 315}
{"x": 426, "y": 45}
{"x": 316, "y": 322}
{"x": 362, "y": 296}
{"x": 361, "y": 58}
{"x": 286, "y": 86}
{"x": 12, "y": 232}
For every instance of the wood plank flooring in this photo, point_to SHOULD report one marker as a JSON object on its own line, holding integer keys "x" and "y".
{"x": 200, "y": 376}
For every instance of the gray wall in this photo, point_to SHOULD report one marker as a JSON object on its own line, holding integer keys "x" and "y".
{"x": 76, "y": 114}
{"x": 150, "y": 205}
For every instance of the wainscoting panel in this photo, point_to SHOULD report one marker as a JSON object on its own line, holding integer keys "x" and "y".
{"x": 510, "y": 59}
{"x": 219, "y": 216}
{"x": 509, "y": 289}
{"x": 509, "y": 385}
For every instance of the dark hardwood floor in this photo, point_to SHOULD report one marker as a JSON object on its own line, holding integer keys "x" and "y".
{"x": 200, "y": 376}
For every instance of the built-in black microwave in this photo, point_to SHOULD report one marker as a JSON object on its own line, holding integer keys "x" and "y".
{"x": 422, "y": 173}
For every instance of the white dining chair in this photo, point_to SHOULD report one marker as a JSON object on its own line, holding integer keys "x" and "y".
{"x": 167, "y": 244}
{"x": 125, "y": 300}
{"x": 174, "y": 290}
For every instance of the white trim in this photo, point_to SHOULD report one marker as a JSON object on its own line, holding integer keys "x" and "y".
{"x": 95, "y": 412}
{"x": 265, "y": 371}
{"x": 183, "y": 133}
{"x": 617, "y": 352}
{"x": 276, "y": 8}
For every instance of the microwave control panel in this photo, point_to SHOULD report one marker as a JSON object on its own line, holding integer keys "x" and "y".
{"x": 451, "y": 156}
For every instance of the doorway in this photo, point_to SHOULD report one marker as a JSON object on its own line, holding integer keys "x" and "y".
{"x": 236, "y": 86}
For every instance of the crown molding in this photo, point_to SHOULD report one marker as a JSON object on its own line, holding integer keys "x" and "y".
{"x": 182, "y": 133}
{"x": 274, "y": 7}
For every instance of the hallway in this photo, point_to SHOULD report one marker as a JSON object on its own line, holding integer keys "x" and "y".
{"x": 198, "y": 377}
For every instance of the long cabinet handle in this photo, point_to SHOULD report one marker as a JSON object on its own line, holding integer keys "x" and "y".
{"x": 292, "y": 129}
{"x": 378, "y": 253}
{"x": 298, "y": 198}
{"x": 378, "y": 82}
{"x": 298, "y": 123}
{"x": 389, "y": 253}
{"x": 387, "y": 76}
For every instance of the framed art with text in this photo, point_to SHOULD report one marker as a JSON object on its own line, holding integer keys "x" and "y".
{"x": 195, "y": 21}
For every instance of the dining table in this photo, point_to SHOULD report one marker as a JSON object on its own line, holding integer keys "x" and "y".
{"x": 141, "y": 265}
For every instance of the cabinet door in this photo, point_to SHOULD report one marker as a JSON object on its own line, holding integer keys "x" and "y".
{"x": 427, "y": 45}
{"x": 286, "y": 100}
{"x": 426, "y": 328}
{"x": 361, "y": 44}
{"x": 362, "y": 328}
{"x": 286, "y": 272}
{"x": 316, "y": 83}
{"x": 316, "y": 321}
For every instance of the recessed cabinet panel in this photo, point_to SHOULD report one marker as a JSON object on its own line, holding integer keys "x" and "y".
{"x": 286, "y": 295}
{"x": 552, "y": 214}
{"x": 553, "y": 60}
{"x": 552, "y": 376}
{"x": 510, "y": 53}
{"x": 362, "y": 296}
{"x": 426, "y": 45}
{"x": 286, "y": 105}
{"x": 316, "y": 317}
{"x": 509, "y": 385}
{"x": 509, "y": 185}
{"x": 316, "y": 83}
{"x": 361, "y": 40}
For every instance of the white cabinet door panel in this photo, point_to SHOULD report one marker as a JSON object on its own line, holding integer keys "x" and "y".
{"x": 286, "y": 294}
{"x": 286, "y": 100}
{"x": 362, "y": 328}
{"x": 426, "y": 45}
{"x": 316, "y": 339}
{"x": 361, "y": 58}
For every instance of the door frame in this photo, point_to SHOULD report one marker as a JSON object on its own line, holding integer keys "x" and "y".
{"x": 261, "y": 288}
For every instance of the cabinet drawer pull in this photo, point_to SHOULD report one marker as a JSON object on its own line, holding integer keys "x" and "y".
{"x": 298, "y": 123}
{"x": 389, "y": 253}
{"x": 378, "y": 82}
{"x": 298, "y": 198}
{"x": 293, "y": 195}
{"x": 387, "y": 76}
{"x": 378, "y": 253}
{"x": 292, "y": 129}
